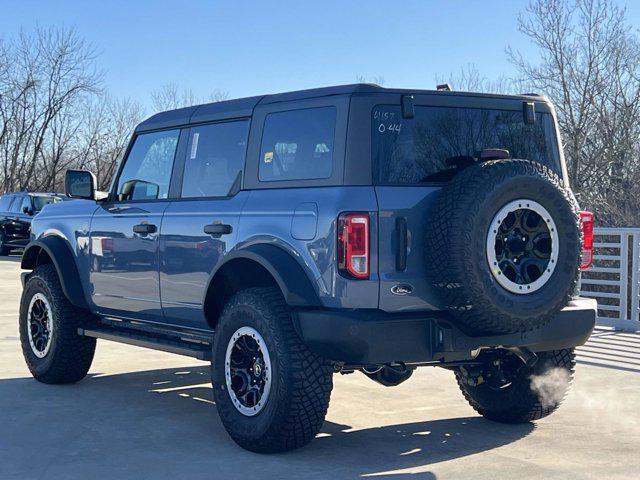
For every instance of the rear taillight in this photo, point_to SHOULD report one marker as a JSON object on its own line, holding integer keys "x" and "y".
{"x": 107, "y": 244}
{"x": 586, "y": 222}
{"x": 353, "y": 245}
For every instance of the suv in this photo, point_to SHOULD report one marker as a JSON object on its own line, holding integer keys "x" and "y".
{"x": 16, "y": 212}
{"x": 290, "y": 237}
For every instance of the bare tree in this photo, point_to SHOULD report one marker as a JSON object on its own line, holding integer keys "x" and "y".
{"x": 44, "y": 75}
{"x": 54, "y": 115}
{"x": 590, "y": 68}
{"x": 171, "y": 96}
{"x": 377, "y": 80}
{"x": 107, "y": 126}
{"x": 469, "y": 79}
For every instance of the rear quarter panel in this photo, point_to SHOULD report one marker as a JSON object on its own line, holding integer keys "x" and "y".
{"x": 270, "y": 216}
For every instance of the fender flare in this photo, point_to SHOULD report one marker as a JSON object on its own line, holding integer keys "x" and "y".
{"x": 292, "y": 280}
{"x": 58, "y": 250}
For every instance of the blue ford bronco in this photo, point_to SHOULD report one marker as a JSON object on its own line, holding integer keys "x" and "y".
{"x": 290, "y": 237}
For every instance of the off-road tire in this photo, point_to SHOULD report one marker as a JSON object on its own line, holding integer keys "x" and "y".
{"x": 456, "y": 247}
{"x": 70, "y": 355}
{"x": 301, "y": 380}
{"x": 522, "y": 401}
{"x": 4, "y": 250}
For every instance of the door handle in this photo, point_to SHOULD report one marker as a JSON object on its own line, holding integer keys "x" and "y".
{"x": 145, "y": 228}
{"x": 217, "y": 229}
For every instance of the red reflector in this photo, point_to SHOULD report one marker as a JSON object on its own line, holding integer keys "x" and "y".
{"x": 353, "y": 245}
{"x": 586, "y": 221}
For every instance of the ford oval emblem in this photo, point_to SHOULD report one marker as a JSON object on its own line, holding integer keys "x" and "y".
{"x": 402, "y": 289}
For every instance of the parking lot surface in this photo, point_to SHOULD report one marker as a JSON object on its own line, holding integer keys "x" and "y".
{"x": 145, "y": 414}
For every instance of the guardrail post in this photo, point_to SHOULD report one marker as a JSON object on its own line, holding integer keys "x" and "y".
{"x": 624, "y": 275}
{"x": 635, "y": 278}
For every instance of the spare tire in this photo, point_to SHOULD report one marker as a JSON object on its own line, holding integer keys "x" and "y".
{"x": 503, "y": 247}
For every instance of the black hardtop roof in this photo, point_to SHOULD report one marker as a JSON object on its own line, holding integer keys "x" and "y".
{"x": 243, "y": 107}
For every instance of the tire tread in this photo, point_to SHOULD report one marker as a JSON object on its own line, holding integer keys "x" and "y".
{"x": 521, "y": 404}
{"x": 311, "y": 375}
{"x": 72, "y": 354}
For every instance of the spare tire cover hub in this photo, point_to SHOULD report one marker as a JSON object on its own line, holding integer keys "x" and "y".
{"x": 522, "y": 246}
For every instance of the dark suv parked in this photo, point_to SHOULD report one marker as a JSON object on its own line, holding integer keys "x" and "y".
{"x": 16, "y": 212}
{"x": 290, "y": 237}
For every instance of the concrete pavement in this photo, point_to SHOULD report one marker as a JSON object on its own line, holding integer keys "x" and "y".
{"x": 144, "y": 414}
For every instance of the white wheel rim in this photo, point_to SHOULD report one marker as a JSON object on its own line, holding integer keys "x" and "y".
{"x": 261, "y": 375}
{"x": 496, "y": 264}
{"x": 38, "y": 301}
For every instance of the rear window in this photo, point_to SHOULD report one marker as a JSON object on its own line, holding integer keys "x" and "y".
{"x": 298, "y": 145}
{"x": 426, "y": 147}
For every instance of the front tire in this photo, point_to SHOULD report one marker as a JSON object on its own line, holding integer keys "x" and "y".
{"x": 49, "y": 323}
{"x": 506, "y": 390}
{"x": 271, "y": 391}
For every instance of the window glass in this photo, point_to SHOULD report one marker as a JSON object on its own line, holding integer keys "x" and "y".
{"x": 26, "y": 202}
{"x": 215, "y": 159}
{"x": 16, "y": 206}
{"x": 298, "y": 145}
{"x": 147, "y": 171}
{"x": 427, "y": 147}
{"x": 5, "y": 203}
{"x": 39, "y": 201}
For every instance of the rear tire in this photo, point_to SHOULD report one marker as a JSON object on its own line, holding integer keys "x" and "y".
{"x": 534, "y": 392}
{"x": 59, "y": 355}
{"x": 290, "y": 412}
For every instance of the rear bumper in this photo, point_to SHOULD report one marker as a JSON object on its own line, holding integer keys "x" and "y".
{"x": 365, "y": 337}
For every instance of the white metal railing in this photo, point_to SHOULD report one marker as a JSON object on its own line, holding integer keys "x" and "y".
{"x": 614, "y": 277}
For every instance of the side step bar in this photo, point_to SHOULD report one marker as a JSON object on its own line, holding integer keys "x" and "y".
{"x": 200, "y": 350}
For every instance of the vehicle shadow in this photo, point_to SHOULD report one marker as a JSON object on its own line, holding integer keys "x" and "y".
{"x": 611, "y": 349}
{"x": 163, "y": 423}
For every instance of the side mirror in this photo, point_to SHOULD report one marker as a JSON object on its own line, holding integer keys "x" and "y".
{"x": 80, "y": 184}
{"x": 140, "y": 190}
{"x": 27, "y": 211}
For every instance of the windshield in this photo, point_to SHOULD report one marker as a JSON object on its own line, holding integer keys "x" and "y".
{"x": 427, "y": 147}
{"x": 40, "y": 201}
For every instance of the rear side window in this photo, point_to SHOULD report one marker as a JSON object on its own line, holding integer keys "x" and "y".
{"x": 5, "y": 202}
{"x": 215, "y": 159}
{"x": 147, "y": 172}
{"x": 40, "y": 201}
{"x": 298, "y": 145}
{"x": 427, "y": 147}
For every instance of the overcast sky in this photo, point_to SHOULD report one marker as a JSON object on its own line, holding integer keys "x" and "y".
{"x": 254, "y": 47}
